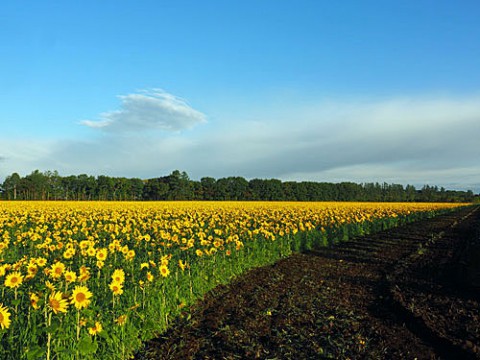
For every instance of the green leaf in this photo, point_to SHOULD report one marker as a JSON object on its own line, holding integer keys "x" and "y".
{"x": 104, "y": 335}
{"x": 86, "y": 346}
{"x": 52, "y": 328}
{"x": 35, "y": 353}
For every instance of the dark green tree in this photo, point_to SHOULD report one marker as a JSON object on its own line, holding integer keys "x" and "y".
{"x": 209, "y": 188}
{"x": 10, "y": 186}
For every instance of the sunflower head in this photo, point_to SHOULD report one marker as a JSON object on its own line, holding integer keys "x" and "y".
{"x": 49, "y": 285}
{"x": 164, "y": 271}
{"x": 34, "y": 299}
{"x": 102, "y": 254}
{"x": 70, "y": 276}
{"x": 80, "y": 297}
{"x": 32, "y": 269}
{"x": 57, "y": 302}
{"x": 94, "y": 330}
{"x": 41, "y": 261}
{"x": 118, "y": 276}
{"x": 182, "y": 264}
{"x": 116, "y": 287}
{"x": 14, "y": 279}
{"x": 4, "y": 317}
{"x": 121, "y": 320}
{"x": 57, "y": 270}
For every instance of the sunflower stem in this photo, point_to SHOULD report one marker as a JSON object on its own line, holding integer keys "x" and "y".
{"x": 16, "y": 305}
{"x": 49, "y": 336}
{"x": 78, "y": 324}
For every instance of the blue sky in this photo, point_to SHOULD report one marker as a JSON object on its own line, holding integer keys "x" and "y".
{"x": 297, "y": 90}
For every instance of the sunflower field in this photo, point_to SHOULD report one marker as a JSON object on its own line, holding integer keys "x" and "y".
{"x": 90, "y": 280}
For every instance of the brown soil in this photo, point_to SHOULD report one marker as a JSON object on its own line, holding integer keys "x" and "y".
{"x": 405, "y": 293}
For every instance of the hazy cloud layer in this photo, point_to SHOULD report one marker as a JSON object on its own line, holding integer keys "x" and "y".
{"x": 415, "y": 141}
{"x": 147, "y": 110}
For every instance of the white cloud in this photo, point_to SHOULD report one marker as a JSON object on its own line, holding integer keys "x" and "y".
{"x": 147, "y": 110}
{"x": 400, "y": 140}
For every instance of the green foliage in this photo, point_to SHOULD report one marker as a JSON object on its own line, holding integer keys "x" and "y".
{"x": 178, "y": 186}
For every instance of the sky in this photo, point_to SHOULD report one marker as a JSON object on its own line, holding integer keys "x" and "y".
{"x": 362, "y": 91}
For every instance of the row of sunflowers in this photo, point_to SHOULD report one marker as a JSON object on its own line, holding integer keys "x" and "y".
{"x": 84, "y": 280}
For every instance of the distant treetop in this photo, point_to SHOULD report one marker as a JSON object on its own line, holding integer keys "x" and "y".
{"x": 50, "y": 185}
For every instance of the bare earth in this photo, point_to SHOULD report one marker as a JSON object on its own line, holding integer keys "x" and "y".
{"x": 405, "y": 293}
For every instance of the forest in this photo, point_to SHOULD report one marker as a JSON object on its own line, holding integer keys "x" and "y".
{"x": 49, "y": 185}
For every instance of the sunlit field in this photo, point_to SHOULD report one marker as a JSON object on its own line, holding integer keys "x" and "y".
{"x": 84, "y": 280}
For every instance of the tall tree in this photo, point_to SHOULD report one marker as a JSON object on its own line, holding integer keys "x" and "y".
{"x": 10, "y": 186}
{"x": 209, "y": 188}
{"x": 180, "y": 186}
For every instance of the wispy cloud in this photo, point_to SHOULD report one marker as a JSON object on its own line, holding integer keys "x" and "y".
{"x": 402, "y": 140}
{"x": 147, "y": 110}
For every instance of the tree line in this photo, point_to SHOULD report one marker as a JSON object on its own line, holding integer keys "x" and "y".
{"x": 50, "y": 185}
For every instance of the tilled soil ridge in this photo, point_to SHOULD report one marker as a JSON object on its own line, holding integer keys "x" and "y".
{"x": 404, "y": 293}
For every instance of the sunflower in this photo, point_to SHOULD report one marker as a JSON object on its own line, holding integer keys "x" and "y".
{"x": 121, "y": 320}
{"x": 70, "y": 276}
{"x": 49, "y": 285}
{"x": 118, "y": 276}
{"x": 111, "y": 247}
{"x": 124, "y": 250}
{"x": 57, "y": 303}
{"x": 95, "y": 329}
{"x": 91, "y": 251}
{"x": 130, "y": 254}
{"x": 102, "y": 254}
{"x": 116, "y": 287}
{"x": 150, "y": 276}
{"x": 69, "y": 253}
{"x": 81, "y": 297}
{"x": 164, "y": 271}
{"x": 84, "y": 273}
{"x": 32, "y": 269}
{"x": 182, "y": 264}
{"x": 57, "y": 270}
{"x": 34, "y": 298}
{"x": 41, "y": 261}
{"x": 82, "y": 322}
{"x": 18, "y": 264}
{"x": 14, "y": 280}
{"x": 165, "y": 259}
{"x": 4, "y": 317}
{"x": 3, "y": 270}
